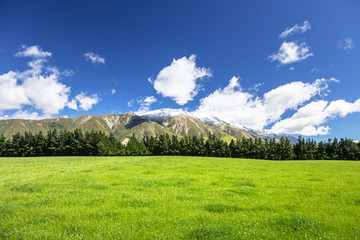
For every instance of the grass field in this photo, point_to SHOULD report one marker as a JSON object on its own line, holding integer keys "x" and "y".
{"x": 178, "y": 198}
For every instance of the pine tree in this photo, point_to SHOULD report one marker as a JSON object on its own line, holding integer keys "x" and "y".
{"x": 2, "y": 146}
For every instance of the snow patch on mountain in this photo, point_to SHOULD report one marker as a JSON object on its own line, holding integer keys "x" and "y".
{"x": 163, "y": 113}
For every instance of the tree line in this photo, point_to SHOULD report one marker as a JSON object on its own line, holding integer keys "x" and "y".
{"x": 91, "y": 143}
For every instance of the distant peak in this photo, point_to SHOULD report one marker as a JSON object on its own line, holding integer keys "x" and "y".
{"x": 130, "y": 114}
{"x": 164, "y": 112}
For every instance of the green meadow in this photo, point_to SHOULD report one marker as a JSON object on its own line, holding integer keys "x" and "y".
{"x": 178, "y": 198}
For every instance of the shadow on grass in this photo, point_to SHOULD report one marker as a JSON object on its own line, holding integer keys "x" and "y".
{"x": 170, "y": 182}
{"x": 220, "y": 208}
{"x": 84, "y": 183}
{"x": 5, "y": 210}
{"x": 240, "y": 191}
{"x": 244, "y": 182}
{"x": 28, "y": 187}
{"x": 299, "y": 225}
{"x": 213, "y": 232}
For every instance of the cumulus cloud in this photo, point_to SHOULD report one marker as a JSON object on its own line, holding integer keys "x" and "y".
{"x": 87, "y": 102}
{"x": 46, "y": 93}
{"x": 33, "y": 51}
{"x": 244, "y": 109}
{"x": 296, "y": 29}
{"x": 347, "y": 44}
{"x": 145, "y": 104}
{"x": 309, "y": 119}
{"x": 72, "y": 104}
{"x": 291, "y": 52}
{"x": 39, "y": 87}
{"x": 94, "y": 58}
{"x": 12, "y": 95}
{"x": 179, "y": 81}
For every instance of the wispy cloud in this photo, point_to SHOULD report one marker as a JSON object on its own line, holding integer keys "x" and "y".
{"x": 68, "y": 72}
{"x": 314, "y": 70}
{"x": 291, "y": 52}
{"x": 145, "y": 104}
{"x": 296, "y": 29}
{"x": 131, "y": 103}
{"x": 94, "y": 58}
{"x": 347, "y": 44}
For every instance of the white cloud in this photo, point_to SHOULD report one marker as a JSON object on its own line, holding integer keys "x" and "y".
{"x": 46, "y": 93}
{"x": 314, "y": 70}
{"x": 12, "y": 95}
{"x": 33, "y": 51}
{"x": 256, "y": 87}
{"x": 145, "y": 104}
{"x": 291, "y": 68}
{"x": 131, "y": 103}
{"x": 309, "y": 119}
{"x": 113, "y": 91}
{"x": 295, "y": 29}
{"x": 68, "y": 72}
{"x": 86, "y": 102}
{"x": 347, "y": 44}
{"x": 290, "y": 52}
{"x": 94, "y": 58}
{"x": 149, "y": 100}
{"x": 29, "y": 115}
{"x": 243, "y": 109}
{"x": 39, "y": 86}
{"x": 25, "y": 115}
{"x": 72, "y": 104}
{"x": 179, "y": 80}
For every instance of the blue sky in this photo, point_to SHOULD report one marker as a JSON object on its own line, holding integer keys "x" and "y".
{"x": 293, "y": 65}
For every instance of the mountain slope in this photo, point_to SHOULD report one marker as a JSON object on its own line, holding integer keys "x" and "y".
{"x": 185, "y": 124}
{"x": 163, "y": 121}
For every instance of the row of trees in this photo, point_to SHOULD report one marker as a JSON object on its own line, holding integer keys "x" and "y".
{"x": 79, "y": 143}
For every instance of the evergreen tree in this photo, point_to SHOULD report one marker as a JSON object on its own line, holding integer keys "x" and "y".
{"x": 3, "y": 151}
{"x": 321, "y": 151}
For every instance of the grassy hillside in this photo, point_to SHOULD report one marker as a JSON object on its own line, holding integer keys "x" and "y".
{"x": 178, "y": 198}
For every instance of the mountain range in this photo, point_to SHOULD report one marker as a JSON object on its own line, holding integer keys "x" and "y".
{"x": 163, "y": 121}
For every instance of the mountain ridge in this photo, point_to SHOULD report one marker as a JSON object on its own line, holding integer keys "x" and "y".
{"x": 164, "y": 121}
